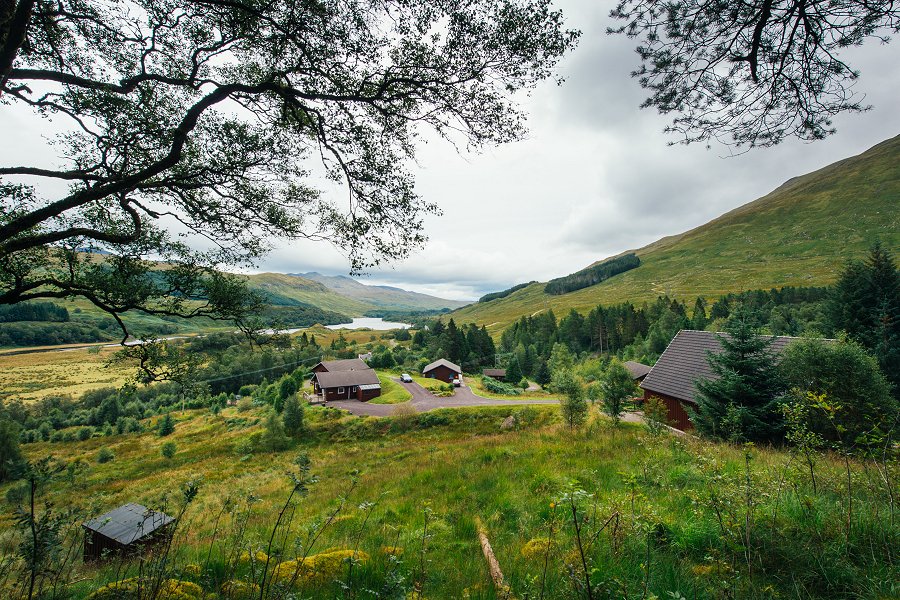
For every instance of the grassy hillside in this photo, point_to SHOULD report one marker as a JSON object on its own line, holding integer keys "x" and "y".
{"x": 658, "y": 515}
{"x": 380, "y": 296}
{"x": 800, "y": 234}
{"x": 289, "y": 290}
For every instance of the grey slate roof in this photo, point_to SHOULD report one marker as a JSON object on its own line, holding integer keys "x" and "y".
{"x": 636, "y": 369}
{"x": 128, "y": 523}
{"x": 335, "y": 379}
{"x": 495, "y": 373}
{"x": 444, "y": 362}
{"x": 684, "y": 361}
{"x": 347, "y": 364}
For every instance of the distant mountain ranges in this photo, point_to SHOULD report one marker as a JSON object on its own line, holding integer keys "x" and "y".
{"x": 343, "y": 294}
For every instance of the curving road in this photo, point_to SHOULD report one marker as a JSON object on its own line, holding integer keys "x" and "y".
{"x": 423, "y": 401}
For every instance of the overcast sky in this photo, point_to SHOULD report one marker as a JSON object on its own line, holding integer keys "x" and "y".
{"x": 594, "y": 178}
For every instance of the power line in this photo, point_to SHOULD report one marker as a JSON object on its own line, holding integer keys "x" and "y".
{"x": 306, "y": 360}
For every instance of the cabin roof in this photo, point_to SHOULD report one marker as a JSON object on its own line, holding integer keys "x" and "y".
{"x": 128, "y": 523}
{"x": 685, "y": 361}
{"x": 335, "y": 379}
{"x": 347, "y": 364}
{"x": 439, "y": 363}
{"x": 637, "y": 369}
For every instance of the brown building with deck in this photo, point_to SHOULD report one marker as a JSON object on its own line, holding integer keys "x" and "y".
{"x": 498, "y": 374}
{"x": 442, "y": 369}
{"x": 356, "y": 384}
{"x": 684, "y": 361}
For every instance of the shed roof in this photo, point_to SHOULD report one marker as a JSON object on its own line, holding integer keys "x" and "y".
{"x": 347, "y": 364}
{"x": 685, "y": 361}
{"x": 334, "y": 379}
{"x": 441, "y": 362}
{"x": 128, "y": 523}
{"x": 501, "y": 373}
{"x": 370, "y": 386}
{"x": 637, "y": 369}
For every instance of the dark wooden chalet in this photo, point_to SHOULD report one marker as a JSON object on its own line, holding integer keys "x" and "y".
{"x": 638, "y": 370}
{"x": 673, "y": 377}
{"x": 498, "y": 374}
{"x": 126, "y": 529}
{"x": 442, "y": 369}
{"x": 355, "y": 384}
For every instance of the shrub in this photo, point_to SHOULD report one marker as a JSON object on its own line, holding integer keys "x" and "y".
{"x": 574, "y": 406}
{"x": 293, "y": 416}
{"x": 244, "y": 404}
{"x": 105, "y": 455}
{"x": 131, "y": 589}
{"x": 317, "y": 569}
{"x": 499, "y": 387}
{"x": 85, "y": 433}
{"x": 656, "y": 414}
{"x": 166, "y": 425}
{"x": 169, "y": 449}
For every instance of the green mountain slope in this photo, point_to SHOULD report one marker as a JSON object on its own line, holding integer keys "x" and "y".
{"x": 380, "y": 296}
{"x": 800, "y": 234}
{"x": 288, "y": 290}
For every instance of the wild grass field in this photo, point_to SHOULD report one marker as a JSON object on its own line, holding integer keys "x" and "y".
{"x": 31, "y": 376}
{"x": 659, "y": 517}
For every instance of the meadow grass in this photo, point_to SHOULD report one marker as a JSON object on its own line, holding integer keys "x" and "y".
{"x": 33, "y": 375}
{"x": 391, "y": 391}
{"x": 678, "y": 506}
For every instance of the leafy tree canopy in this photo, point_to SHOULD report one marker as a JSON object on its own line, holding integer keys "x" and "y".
{"x": 755, "y": 72}
{"x": 214, "y": 120}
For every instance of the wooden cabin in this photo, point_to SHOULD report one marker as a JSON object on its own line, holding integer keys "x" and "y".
{"x": 126, "y": 529}
{"x": 672, "y": 379}
{"x": 498, "y": 374}
{"x": 356, "y": 384}
{"x": 443, "y": 370}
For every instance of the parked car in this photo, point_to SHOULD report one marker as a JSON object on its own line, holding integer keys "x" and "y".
{"x": 456, "y": 382}
{"x": 406, "y": 378}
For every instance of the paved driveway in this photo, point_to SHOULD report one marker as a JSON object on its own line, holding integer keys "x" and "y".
{"x": 423, "y": 401}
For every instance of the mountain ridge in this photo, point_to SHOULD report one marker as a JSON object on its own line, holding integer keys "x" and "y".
{"x": 801, "y": 233}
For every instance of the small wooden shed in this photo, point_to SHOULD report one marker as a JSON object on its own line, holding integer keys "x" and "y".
{"x": 498, "y": 374}
{"x": 124, "y": 530}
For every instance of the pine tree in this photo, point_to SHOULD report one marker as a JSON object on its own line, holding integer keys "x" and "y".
{"x": 698, "y": 319}
{"x": 865, "y": 304}
{"x": 742, "y": 403}
{"x": 543, "y": 375}
{"x": 293, "y": 416}
{"x": 513, "y": 371}
{"x": 166, "y": 425}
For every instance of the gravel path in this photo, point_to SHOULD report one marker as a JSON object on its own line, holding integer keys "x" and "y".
{"x": 423, "y": 401}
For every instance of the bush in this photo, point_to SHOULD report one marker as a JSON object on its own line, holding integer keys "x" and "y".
{"x": 105, "y": 455}
{"x": 244, "y": 404}
{"x": 85, "y": 433}
{"x": 169, "y": 449}
{"x": 656, "y": 414}
{"x": 499, "y": 387}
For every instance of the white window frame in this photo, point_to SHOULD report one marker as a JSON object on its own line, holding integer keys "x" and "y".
{"x": 340, "y": 390}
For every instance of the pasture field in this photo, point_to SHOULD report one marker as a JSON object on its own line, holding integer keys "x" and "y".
{"x": 660, "y": 515}
{"x": 33, "y": 375}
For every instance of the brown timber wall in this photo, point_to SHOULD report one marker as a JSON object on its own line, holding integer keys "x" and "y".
{"x": 679, "y": 416}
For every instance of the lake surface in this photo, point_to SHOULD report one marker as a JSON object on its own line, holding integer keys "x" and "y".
{"x": 376, "y": 323}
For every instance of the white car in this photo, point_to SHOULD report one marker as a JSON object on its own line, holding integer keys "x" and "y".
{"x": 406, "y": 378}
{"x": 456, "y": 382}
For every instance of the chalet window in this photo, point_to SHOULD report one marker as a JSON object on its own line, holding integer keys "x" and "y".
{"x": 353, "y": 389}
{"x": 340, "y": 390}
